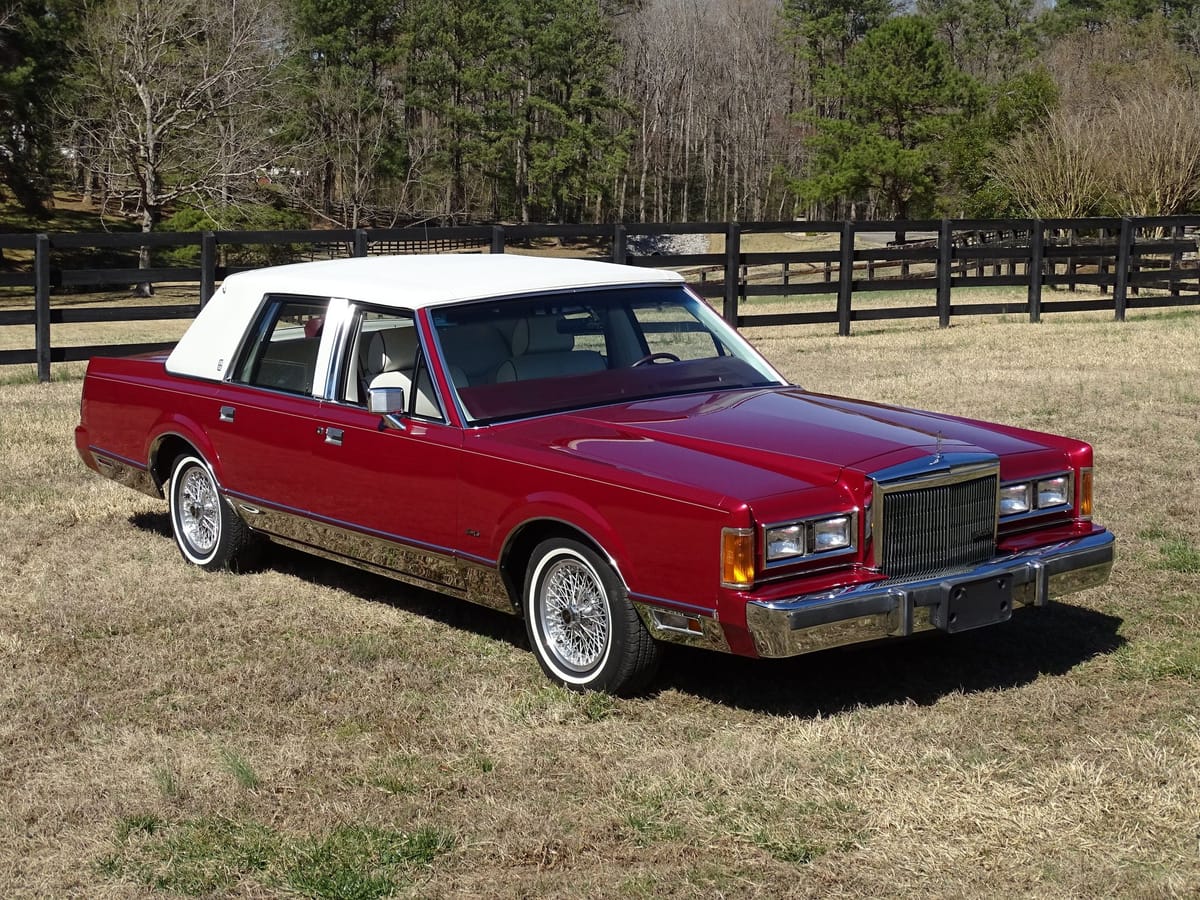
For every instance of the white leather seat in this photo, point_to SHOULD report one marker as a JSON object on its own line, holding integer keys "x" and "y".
{"x": 389, "y": 362}
{"x": 474, "y": 351}
{"x": 541, "y": 350}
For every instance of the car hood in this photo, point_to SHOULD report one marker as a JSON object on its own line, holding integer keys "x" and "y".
{"x": 763, "y": 442}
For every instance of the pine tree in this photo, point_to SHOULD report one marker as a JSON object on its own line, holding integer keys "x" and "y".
{"x": 902, "y": 99}
{"x": 34, "y": 58}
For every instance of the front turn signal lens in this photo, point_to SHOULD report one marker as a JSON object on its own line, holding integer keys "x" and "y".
{"x": 1085, "y": 494}
{"x": 737, "y": 557}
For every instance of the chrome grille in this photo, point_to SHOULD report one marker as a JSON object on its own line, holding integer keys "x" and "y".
{"x": 931, "y": 529}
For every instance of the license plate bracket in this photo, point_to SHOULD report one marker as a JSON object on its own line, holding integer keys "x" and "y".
{"x": 974, "y": 604}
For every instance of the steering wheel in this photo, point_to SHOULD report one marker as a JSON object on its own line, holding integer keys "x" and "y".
{"x": 656, "y": 357}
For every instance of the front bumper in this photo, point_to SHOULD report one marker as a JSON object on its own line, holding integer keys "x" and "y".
{"x": 982, "y": 596}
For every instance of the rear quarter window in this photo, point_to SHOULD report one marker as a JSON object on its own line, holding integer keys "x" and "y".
{"x": 282, "y": 353}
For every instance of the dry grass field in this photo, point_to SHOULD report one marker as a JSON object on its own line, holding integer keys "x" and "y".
{"x": 312, "y": 731}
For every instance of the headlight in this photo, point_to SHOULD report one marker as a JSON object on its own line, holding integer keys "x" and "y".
{"x": 785, "y": 541}
{"x": 1014, "y": 499}
{"x": 796, "y": 539}
{"x": 1039, "y": 494}
{"x": 1053, "y": 492}
{"x": 831, "y": 534}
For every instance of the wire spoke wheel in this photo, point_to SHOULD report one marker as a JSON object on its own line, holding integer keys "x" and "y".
{"x": 207, "y": 529}
{"x": 199, "y": 515}
{"x": 574, "y": 614}
{"x": 583, "y": 629}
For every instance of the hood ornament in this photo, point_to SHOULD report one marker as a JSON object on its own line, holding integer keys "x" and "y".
{"x": 937, "y": 450}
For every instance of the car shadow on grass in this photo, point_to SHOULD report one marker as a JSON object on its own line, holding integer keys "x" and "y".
{"x": 365, "y": 585}
{"x": 921, "y": 669}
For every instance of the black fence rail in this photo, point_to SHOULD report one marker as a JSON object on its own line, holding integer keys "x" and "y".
{"x": 856, "y": 271}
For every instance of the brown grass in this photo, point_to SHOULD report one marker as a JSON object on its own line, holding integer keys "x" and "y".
{"x": 312, "y": 730}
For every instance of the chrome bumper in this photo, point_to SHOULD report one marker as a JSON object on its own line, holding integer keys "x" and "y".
{"x": 986, "y": 594}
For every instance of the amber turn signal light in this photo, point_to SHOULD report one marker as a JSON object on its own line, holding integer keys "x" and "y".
{"x": 1085, "y": 494}
{"x": 737, "y": 557}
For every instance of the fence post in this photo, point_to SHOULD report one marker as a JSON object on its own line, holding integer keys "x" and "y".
{"x": 945, "y": 260}
{"x": 620, "y": 251}
{"x": 733, "y": 271}
{"x": 1037, "y": 252}
{"x": 41, "y": 302}
{"x": 1176, "y": 260}
{"x": 498, "y": 239}
{"x": 1124, "y": 252}
{"x": 360, "y": 242}
{"x": 1073, "y": 265}
{"x": 845, "y": 278}
{"x": 208, "y": 266}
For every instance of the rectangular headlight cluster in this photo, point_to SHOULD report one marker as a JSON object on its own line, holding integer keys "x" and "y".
{"x": 797, "y": 539}
{"x": 1040, "y": 494}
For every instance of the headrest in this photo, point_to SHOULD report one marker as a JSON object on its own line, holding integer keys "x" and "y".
{"x": 392, "y": 349}
{"x": 475, "y": 347}
{"x": 540, "y": 334}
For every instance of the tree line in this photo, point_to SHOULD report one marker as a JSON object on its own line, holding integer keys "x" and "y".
{"x": 272, "y": 113}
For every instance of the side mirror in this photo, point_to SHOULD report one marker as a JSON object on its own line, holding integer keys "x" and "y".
{"x": 389, "y": 403}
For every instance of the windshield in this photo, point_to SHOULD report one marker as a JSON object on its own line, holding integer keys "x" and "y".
{"x": 521, "y": 357}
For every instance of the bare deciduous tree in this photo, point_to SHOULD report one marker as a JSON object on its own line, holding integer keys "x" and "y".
{"x": 1138, "y": 155}
{"x": 1153, "y": 152}
{"x": 1056, "y": 171}
{"x": 171, "y": 97}
{"x": 711, "y": 81}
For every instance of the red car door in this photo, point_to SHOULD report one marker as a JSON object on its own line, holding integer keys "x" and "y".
{"x": 267, "y": 415}
{"x": 392, "y": 493}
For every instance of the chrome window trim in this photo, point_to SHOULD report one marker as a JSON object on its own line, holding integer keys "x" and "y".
{"x": 255, "y": 334}
{"x": 247, "y": 340}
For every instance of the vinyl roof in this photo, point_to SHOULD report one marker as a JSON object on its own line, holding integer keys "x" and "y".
{"x": 401, "y": 282}
{"x": 416, "y": 281}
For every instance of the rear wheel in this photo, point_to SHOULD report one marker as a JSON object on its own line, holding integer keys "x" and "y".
{"x": 207, "y": 529}
{"x": 583, "y": 629}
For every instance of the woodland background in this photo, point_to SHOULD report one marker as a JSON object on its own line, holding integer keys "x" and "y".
{"x": 199, "y": 114}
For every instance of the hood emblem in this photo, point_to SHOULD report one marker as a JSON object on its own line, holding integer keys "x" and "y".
{"x": 937, "y": 451}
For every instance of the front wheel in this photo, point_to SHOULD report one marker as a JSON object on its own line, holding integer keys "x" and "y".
{"x": 583, "y": 629}
{"x": 208, "y": 531}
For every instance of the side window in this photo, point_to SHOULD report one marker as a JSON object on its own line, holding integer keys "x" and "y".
{"x": 283, "y": 354}
{"x": 386, "y": 352}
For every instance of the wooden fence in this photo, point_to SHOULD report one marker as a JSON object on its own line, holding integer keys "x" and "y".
{"x": 1132, "y": 262}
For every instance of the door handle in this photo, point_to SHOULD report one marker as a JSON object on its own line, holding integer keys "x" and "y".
{"x": 333, "y": 436}
{"x": 227, "y": 413}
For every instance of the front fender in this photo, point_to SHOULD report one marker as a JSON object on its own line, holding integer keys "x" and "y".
{"x": 556, "y": 506}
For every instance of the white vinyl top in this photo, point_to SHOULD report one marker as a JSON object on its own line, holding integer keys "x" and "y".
{"x": 206, "y": 350}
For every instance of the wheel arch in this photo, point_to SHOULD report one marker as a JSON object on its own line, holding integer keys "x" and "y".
{"x": 173, "y": 438}
{"x": 524, "y": 539}
{"x": 164, "y": 450}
